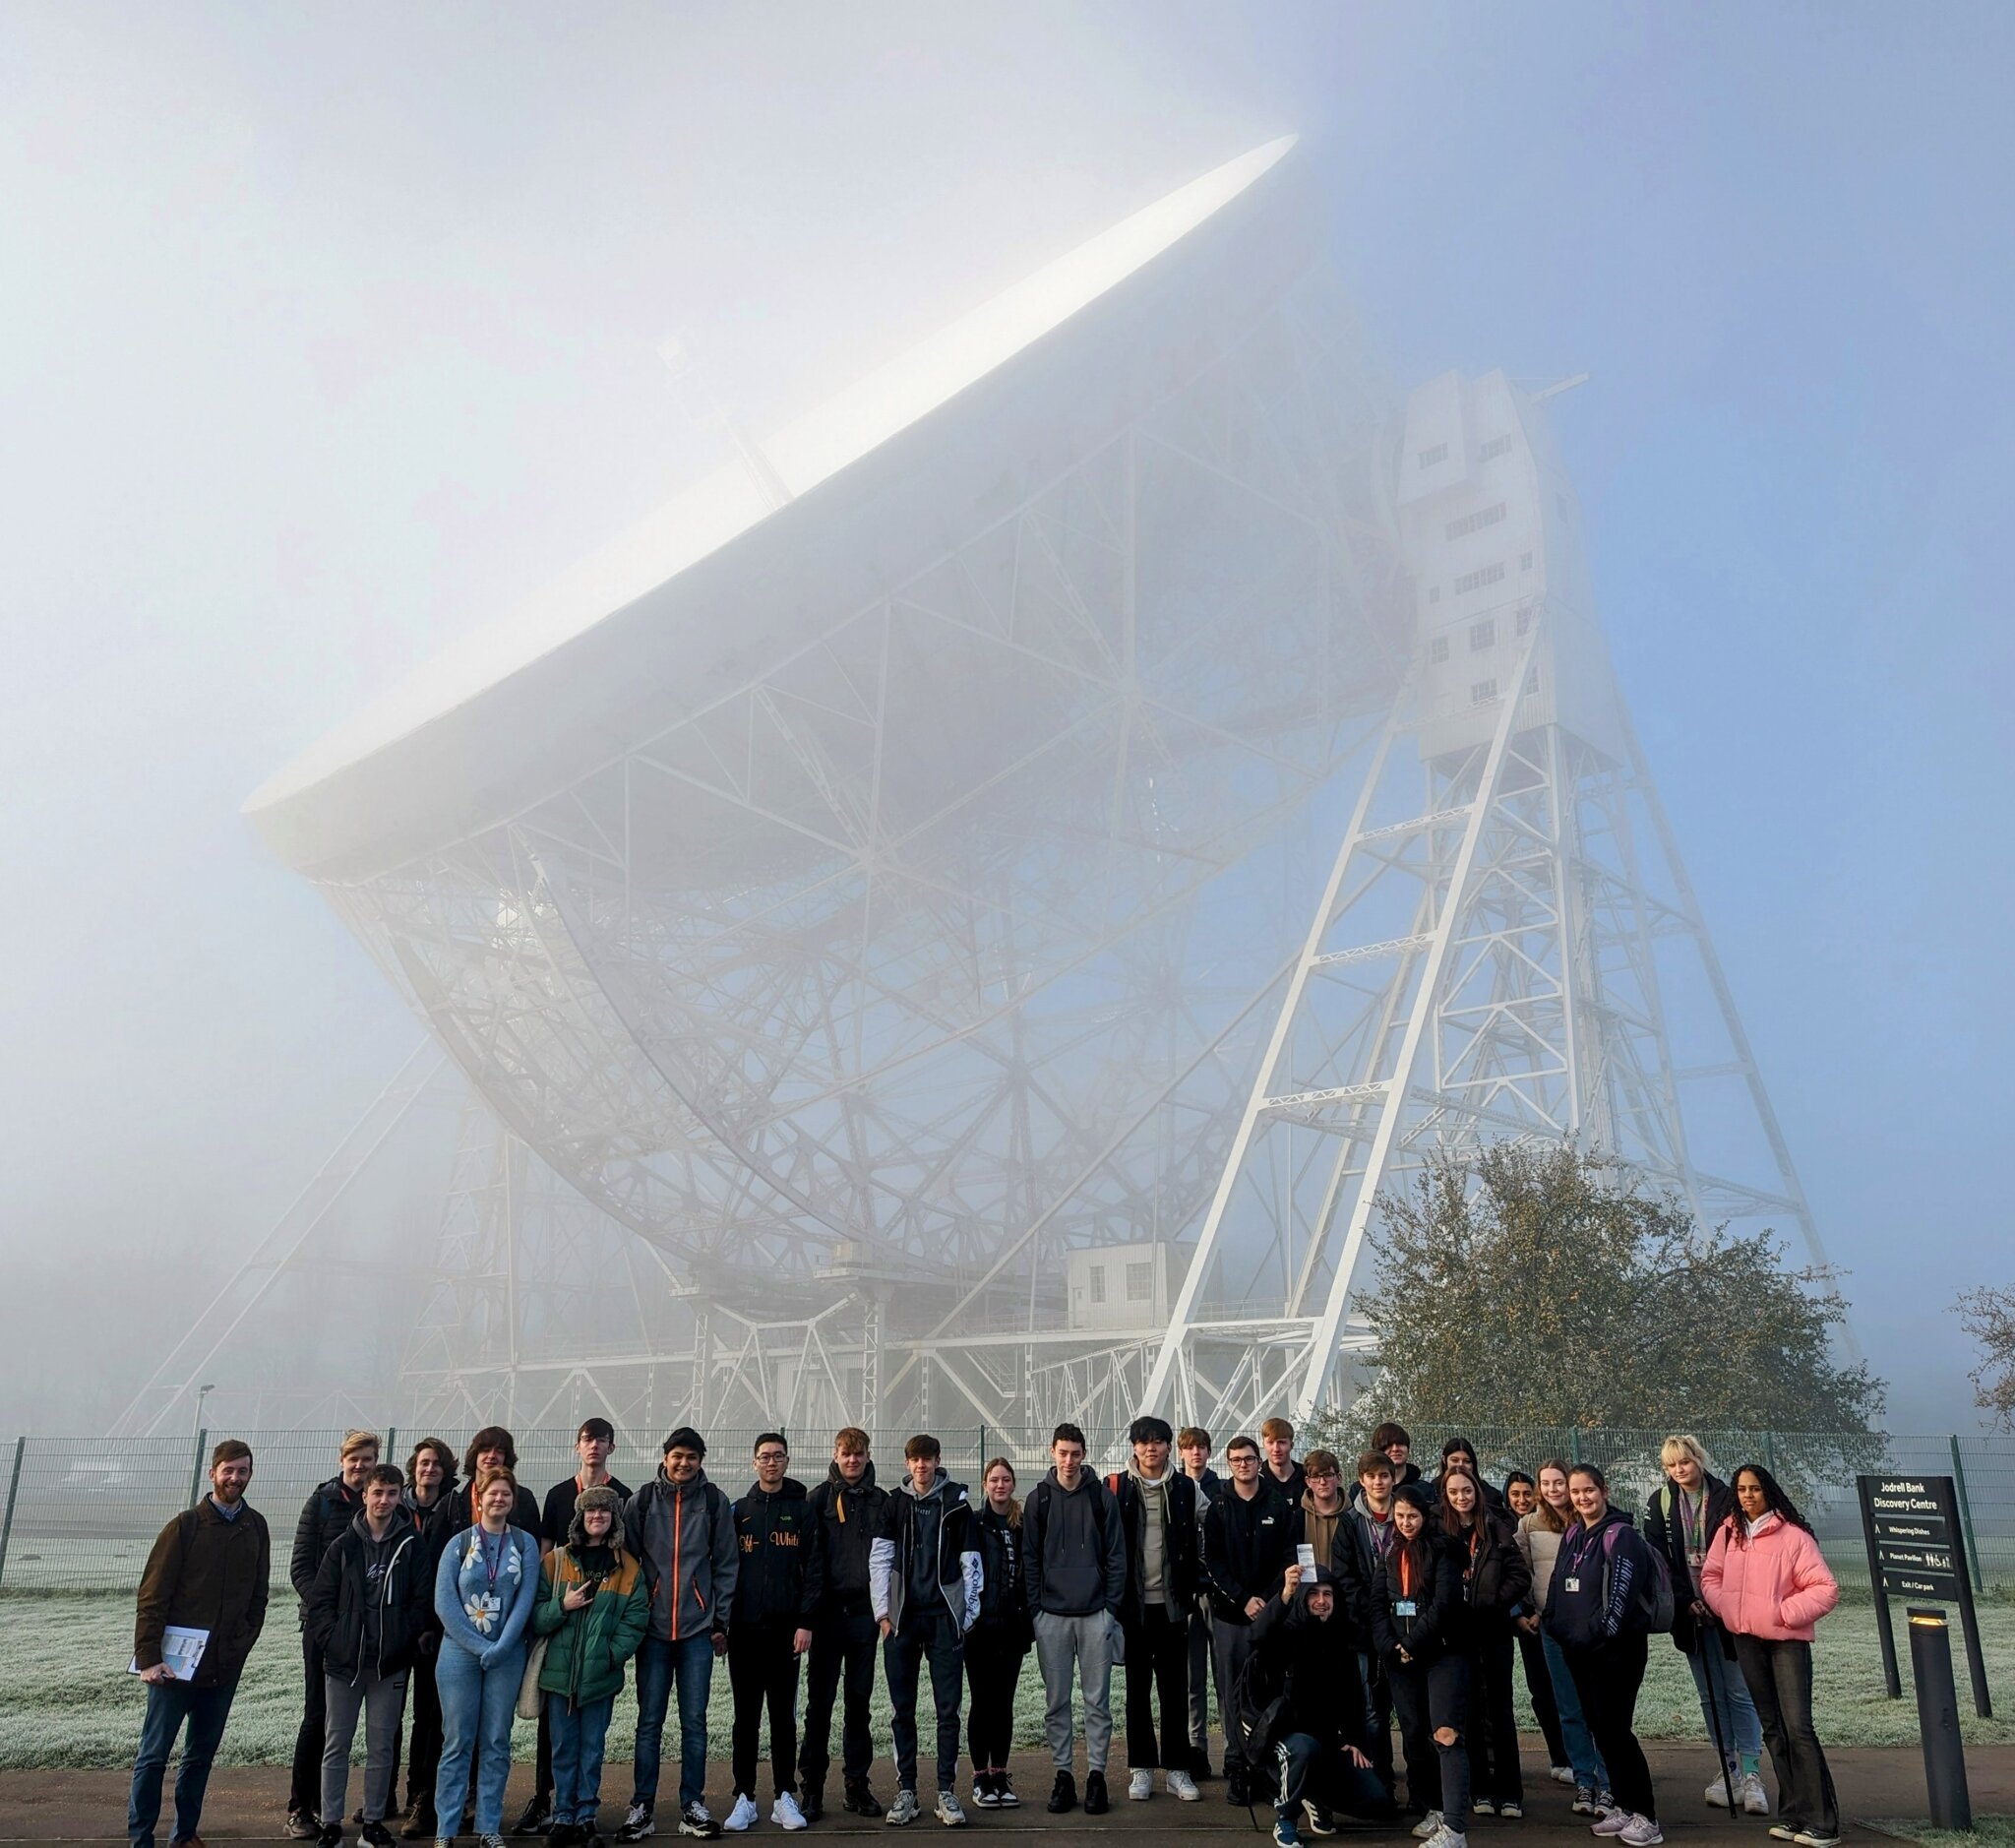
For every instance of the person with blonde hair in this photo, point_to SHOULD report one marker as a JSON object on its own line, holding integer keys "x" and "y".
{"x": 1680, "y": 1521}
{"x": 1000, "y": 1639}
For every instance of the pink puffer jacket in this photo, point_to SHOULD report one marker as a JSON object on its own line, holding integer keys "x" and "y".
{"x": 1774, "y": 1583}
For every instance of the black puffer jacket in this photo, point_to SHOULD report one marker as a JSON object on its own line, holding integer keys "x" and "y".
{"x": 1301, "y": 1676}
{"x": 1495, "y": 1580}
{"x": 845, "y": 1518}
{"x": 1004, "y": 1597}
{"x": 1438, "y": 1622}
{"x": 338, "y": 1602}
{"x": 326, "y": 1518}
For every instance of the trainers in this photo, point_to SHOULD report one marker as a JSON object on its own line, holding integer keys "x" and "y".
{"x": 1095, "y": 1800}
{"x": 377, "y": 1834}
{"x": 1235, "y": 1788}
{"x": 982, "y": 1792}
{"x": 696, "y": 1819}
{"x": 812, "y": 1802}
{"x": 857, "y": 1799}
{"x": 1611, "y": 1823}
{"x": 1426, "y": 1826}
{"x": 1584, "y": 1800}
{"x": 301, "y": 1826}
{"x": 329, "y": 1835}
{"x": 784, "y": 1811}
{"x": 1284, "y": 1833}
{"x": 1139, "y": 1786}
{"x": 1810, "y": 1839}
{"x": 537, "y": 1819}
{"x": 490, "y": 1841}
{"x": 638, "y": 1821}
{"x": 903, "y": 1810}
{"x": 1446, "y": 1837}
{"x": 1318, "y": 1820}
{"x": 1062, "y": 1794}
{"x": 420, "y": 1825}
{"x": 1717, "y": 1792}
{"x": 1512, "y": 1812}
{"x": 1754, "y": 1798}
{"x": 742, "y": 1814}
{"x": 949, "y": 1811}
{"x": 1004, "y": 1791}
{"x": 1783, "y": 1831}
{"x": 1643, "y": 1832}
{"x": 1481, "y": 1806}
{"x": 1605, "y": 1800}
{"x": 1561, "y": 1773}
{"x": 1183, "y": 1787}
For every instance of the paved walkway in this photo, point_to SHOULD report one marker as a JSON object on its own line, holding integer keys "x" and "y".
{"x": 248, "y": 1805}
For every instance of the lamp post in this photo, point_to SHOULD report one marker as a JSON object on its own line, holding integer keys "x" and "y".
{"x": 202, "y": 1393}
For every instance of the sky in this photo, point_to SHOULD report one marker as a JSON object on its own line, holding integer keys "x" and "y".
{"x": 326, "y": 332}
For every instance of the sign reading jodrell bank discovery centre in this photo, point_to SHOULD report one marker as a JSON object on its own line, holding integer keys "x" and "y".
{"x": 1917, "y": 1549}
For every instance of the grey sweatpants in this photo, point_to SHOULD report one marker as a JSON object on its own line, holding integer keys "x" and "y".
{"x": 383, "y": 1703}
{"x": 1078, "y": 1649}
{"x": 1230, "y": 1646}
{"x": 1199, "y": 1683}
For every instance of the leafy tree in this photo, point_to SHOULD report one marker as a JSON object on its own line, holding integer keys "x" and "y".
{"x": 1535, "y": 1285}
{"x": 1988, "y": 1316}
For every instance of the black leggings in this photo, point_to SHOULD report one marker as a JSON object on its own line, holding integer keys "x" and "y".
{"x": 1494, "y": 1724}
{"x": 1605, "y": 1683}
{"x": 994, "y": 1655}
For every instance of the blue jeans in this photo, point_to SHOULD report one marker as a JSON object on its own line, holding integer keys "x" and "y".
{"x": 1588, "y": 1766}
{"x": 688, "y": 1665}
{"x": 168, "y": 1704}
{"x": 1725, "y": 1698}
{"x": 477, "y": 1706}
{"x": 578, "y": 1738}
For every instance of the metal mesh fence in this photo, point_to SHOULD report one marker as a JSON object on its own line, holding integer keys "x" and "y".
{"x": 81, "y": 1512}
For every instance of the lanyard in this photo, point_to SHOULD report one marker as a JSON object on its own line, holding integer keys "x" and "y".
{"x": 493, "y": 1562}
{"x": 1576, "y": 1553}
{"x": 1405, "y": 1572}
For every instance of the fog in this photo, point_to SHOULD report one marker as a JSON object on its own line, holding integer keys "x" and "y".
{"x": 323, "y": 336}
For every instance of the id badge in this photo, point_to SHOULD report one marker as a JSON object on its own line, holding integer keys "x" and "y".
{"x": 1573, "y": 1584}
{"x": 1405, "y": 1607}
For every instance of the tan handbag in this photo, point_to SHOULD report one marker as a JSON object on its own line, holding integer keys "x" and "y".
{"x": 528, "y": 1696}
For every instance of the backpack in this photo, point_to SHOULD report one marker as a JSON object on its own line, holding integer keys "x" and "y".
{"x": 1652, "y": 1603}
{"x": 1255, "y": 1717}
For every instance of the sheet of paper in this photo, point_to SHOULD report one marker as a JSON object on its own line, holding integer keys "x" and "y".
{"x": 181, "y": 1650}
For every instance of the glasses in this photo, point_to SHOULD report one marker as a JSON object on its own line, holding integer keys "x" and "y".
{"x": 772, "y": 1456}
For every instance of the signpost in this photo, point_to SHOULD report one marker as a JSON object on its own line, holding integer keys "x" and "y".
{"x": 1917, "y": 1549}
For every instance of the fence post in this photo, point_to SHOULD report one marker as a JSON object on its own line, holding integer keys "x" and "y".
{"x": 1958, "y": 1482}
{"x": 1770, "y": 1453}
{"x": 983, "y": 1455}
{"x": 196, "y": 1469}
{"x": 1573, "y": 1443}
{"x": 12, "y": 1490}
{"x": 391, "y": 1450}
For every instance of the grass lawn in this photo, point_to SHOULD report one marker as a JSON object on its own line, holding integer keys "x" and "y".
{"x": 1994, "y": 1831}
{"x": 69, "y": 1702}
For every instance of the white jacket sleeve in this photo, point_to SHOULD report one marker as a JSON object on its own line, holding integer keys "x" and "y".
{"x": 881, "y": 1560}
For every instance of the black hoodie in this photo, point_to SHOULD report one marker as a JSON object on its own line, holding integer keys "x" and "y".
{"x": 781, "y": 1572}
{"x": 372, "y": 1600}
{"x": 1247, "y": 1546}
{"x": 1308, "y": 1664}
{"x": 845, "y": 1518}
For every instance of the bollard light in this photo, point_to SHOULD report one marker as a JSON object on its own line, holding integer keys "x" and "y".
{"x": 1938, "y": 1716}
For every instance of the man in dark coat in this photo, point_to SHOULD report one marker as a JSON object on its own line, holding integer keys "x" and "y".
{"x": 1157, "y": 1507}
{"x": 325, "y": 1518}
{"x": 845, "y": 1512}
{"x": 207, "y": 1574}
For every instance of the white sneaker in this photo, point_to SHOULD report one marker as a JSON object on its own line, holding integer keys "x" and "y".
{"x": 1426, "y": 1826}
{"x": 785, "y": 1814}
{"x": 742, "y": 1814}
{"x": 1610, "y": 1823}
{"x": 1717, "y": 1792}
{"x": 1643, "y": 1832}
{"x": 1561, "y": 1773}
{"x": 903, "y": 1810}
{"x": 1141, "y": 1786}
{"x": 1446, "y": 1837}
{"x": 1754, "y": 1798}
{"x": 949, "y": 1811}
{"x": 1183, "y": 1787}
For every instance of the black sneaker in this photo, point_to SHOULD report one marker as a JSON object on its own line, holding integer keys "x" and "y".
{"x": 329, "y": 1835}
{"x": 857, "y": 1799}
{"x": 377, "y": 1835}
{"x": 639, "y": 1823}
{"x": 812, "y": 1801}
{"x": 1095, "y": 1802}
{"x": 419, "y": 1827}
{"x": 301, "y": 1826}
{"x": 1235, "y": 1788}
{"x": 536, "y": 1819}
{"x": 1316, "y": 1820}
{"x": 1062, "y": 1794}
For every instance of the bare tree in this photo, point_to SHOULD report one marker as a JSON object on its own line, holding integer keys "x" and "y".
{"x": 1988, "y": 1316}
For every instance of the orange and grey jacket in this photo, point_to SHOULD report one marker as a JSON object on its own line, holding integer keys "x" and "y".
{"x": 684, "y": 1537}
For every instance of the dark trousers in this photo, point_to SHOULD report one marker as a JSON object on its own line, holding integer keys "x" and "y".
{"x": 423, "y": 1757}
{"x": 169, "y": 1704}
{"x": 1494, "y": 1724}
{"x": 1606, "y": 1682}
{"x": 1157, "y": 1670}
{"x": 1379, "y": 1720}
{"x": 842, "y": 1645}
{"x": 1319, "y": 1775}
{"x": 927, "y": 1635}
{"x": 1230, "y": 1645}
{"x": 1780, "y": 1678}
{"x": 994, "y": 1655}
{"x": 763, "y": 1672}
{"x": 304, "y": 1794}
{"x": 1429, "y": 1697}
{"x": 1539, "y": 1684}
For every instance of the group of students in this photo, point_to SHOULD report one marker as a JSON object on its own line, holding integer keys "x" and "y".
{"x": 1318, "y": 1615}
